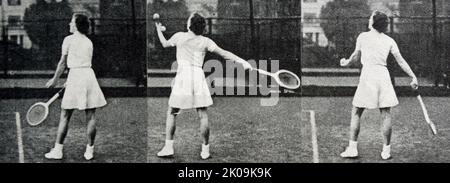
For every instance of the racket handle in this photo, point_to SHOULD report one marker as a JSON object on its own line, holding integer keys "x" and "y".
{"x": 424, "y": 109}
{"x": 433, "y": 128}
{"x": 55, "y": 96}
{"x": 263, "y": 72}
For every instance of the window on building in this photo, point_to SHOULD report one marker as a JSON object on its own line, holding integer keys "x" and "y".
{"x": 14, "y": 2}
{"x": 309, "y": 17}
{"x": 14, "y": 38}
{"x": 317, "y": 37}
{"x": 13, "y": 20}
{"x": 21, "y": 40}
{"x": 309, "y": 36}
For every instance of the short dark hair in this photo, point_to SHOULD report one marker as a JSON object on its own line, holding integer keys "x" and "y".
{"x": 198, "y": 24}
{"x": 380, "y": 22}
{"x": 82, "y": 23}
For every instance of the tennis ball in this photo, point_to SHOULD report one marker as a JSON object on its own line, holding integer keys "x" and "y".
{"x": 155, "y": 16}
{"x": 163, "y": 28}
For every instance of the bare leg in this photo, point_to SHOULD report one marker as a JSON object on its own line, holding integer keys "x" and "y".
{"x": 63, "y": 127}
{"x": 387, "y": 125}
{"x": 91, "y": 126}
{"x": 171, "y": 122}
{"x": 170, "y": 132}
{"x": 352, "y": 150}
{"x": 355, "y": 123}
{"x": 204, "y": 125}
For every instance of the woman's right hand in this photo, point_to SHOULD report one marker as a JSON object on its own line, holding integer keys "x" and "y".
{"x": 414, "y": 83}
{"x": 51, "y": 83}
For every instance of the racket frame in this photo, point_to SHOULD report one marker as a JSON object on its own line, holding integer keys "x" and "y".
{"x": 277, "y": 79}
{"x": 45, "y": 105}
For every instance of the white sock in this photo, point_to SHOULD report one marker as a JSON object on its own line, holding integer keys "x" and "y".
{"x": 169, "y": 143}
{"x": 59, "y": 147}
{"x": 352, "y": 144}
{"x": 89, "y": 146}
{"x": 205, "y": 146}
{"x": 386, "y": 147}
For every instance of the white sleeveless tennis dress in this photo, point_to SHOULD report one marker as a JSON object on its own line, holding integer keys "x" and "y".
{"x": 375, "y": 89}
{"x": 82, "y": 89}
{"x": 189, "y": 88}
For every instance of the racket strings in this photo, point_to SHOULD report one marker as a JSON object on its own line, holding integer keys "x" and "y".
{"x": 288, "y": 79}
{"x": 36, "y": 114}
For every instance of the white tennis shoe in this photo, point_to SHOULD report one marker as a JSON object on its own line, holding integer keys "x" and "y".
{"x": 205, "y": 152}
{"x": 166, "y": 151}
{"x": 386, "y": 153}
{"x": 89, "y": 153}
{"x": 54, "y": 154}
{"x": 350, "y": 153}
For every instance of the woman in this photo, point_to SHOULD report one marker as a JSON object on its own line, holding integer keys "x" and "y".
{"x": 82, "y": 89}
{"x": 375, "y": 89}
{"x": 190, "y": 89}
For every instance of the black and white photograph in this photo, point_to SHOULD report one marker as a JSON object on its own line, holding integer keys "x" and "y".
{"x": 73, "y": 81}
{"x": 215, "y": 71}
{"x": 180, "y": 82}
{"x": 374, "y": 73}
{"x": 223, "y": 81}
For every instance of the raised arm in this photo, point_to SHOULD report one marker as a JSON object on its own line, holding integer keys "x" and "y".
{"x": 161, "y": 37}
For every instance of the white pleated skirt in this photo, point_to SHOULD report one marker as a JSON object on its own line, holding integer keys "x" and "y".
{"x": 190, "y": 89}
{"x": 375, "y": 89}
{"x": 82, "y": 90}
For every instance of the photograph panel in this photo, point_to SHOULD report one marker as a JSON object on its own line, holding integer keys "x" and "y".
{"x": 215, "y": 69}
{"x": 73, "y": 75}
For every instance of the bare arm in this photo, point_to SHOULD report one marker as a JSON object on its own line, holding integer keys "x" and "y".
{"x": 62, "y": 65}
{"x": 356, "y": 56}
{"x": 404, "y": 65}
{"x": 228, "y": 55}
{"x": 161, "y": 37}
{"x": 231, "y": 57}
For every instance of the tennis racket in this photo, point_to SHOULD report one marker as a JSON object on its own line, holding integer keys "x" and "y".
{"x": 38, "y": 112}
{"x": 284, "y": 78}
{"x": 427, "y": 117}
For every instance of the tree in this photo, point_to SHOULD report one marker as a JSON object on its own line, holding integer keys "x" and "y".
{"x": 343, "y": 20}
{"x": 47, "y": 23}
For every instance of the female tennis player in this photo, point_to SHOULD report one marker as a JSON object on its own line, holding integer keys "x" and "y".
{"x": 375, "y": 89}
{"x": 82, "y": 89}
{"x": 190, "y": 89}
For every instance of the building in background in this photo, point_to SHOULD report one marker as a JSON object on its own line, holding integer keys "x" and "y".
{"x": 11, "y": 17}
{"x": 12, "y": 12}
{"x": 207, "y": 8}
{"x": 390, "y": 7}
{"x": 311, "y": 21}
{"x": 311, "y": 17}
{"x": 86, "y": 7}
